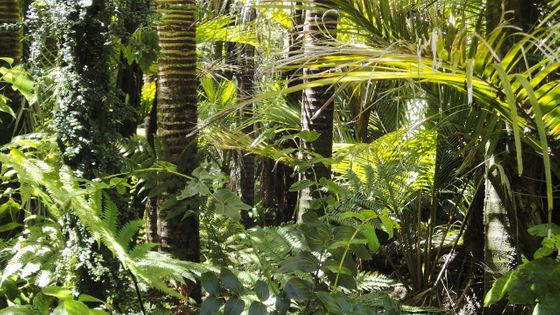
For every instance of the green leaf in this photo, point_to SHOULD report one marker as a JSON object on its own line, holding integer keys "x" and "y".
{"x": 58, "y": 292}
{"x": 18, "y": 310}
{"x": 8, "y": 60}
{"x": 42, "y": 303}
{"x": 352, "y": 215}
{"x": 346, "y": 243}
{"x": 229, "y": 204}
{"x": 391, "y": 307}
{"x": 20, "y": 81}
{"x": 282, "y": 303}
{"x": 347, "y": 281}
{"x": 9, "y": 226}
{"x": 317, "y": 235}
{"x": 127, "y": 232}
{"x": 261, "y": 288}
{"x": 304, "y": 261}
{"x": 548, "y": 246}
{"x": 542, "y": 136}
{"x": 10, "y": 289}
{"x": 499, "y": 289}
{"x": 512, "y": 104}
{"x": 329, "y": 302}
{"x": 387, "y": 225}
{"x": 75, "y": 308}
{"x": 210, "y": 283}
{"x": 541, "y": 230}
{"x": 4, "y": 107}
{"x": 231, "y": 282}
{"x": 210, "y": 306}
{"x": 194, "y": 187}
{"x": 298, "y": 289}
{"x": 302, "y": 184}
{"x": 309, "y": 135}
{"x": 369, "y": 232}
{"x": 257, "y": 308}
{"x": 89, "y": 299}
{"x": 234, "y": 306}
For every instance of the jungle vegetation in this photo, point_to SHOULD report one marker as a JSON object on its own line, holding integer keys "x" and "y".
{"x": 279, "y": 157}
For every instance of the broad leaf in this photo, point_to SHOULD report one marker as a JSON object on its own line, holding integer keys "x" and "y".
{"x": 210, "y": 306}
{"x": 234, "y": 306}
{"x": 261, "y": 288}
{"x": 58, "y": 292}
{"x": 210, "y": 283}
{"x": 231, "y": 282}
{"x": 304, "y": 261}
{"x": 257, "y": 308}
{"x": 297, "y": 289}
{"x": 229, "y": 204}
{"x": 369, "y": 232}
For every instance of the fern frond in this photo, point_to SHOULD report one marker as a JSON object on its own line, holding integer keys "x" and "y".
{"x": 128, "y": 231}
{"x": 64, "y": 191}
{"x": 141, "y": 250}
{"x": 110, "y": 213}
{"x": 373, "y": 281}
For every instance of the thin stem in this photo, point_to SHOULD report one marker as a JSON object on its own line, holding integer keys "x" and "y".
{"x": 138, "y": 294}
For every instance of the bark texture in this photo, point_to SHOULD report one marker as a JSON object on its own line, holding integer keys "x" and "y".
{"x": 317, "y": 109}
{"x": 246, "y": 88}
{"x": 10, "y": 46}
{"x": 176, "y": 120}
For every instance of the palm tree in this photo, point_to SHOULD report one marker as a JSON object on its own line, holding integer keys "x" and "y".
{"x": 447, "y": 71}
{"x": 317, "y": 110}
{"x": 176, "y": 120}
{"x": 10, "y": 46}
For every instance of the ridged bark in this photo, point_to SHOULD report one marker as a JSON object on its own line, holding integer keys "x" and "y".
{"x": 317, "y": 109}
{"x": 177, "y": 118}
{"x": 10, "y": 46}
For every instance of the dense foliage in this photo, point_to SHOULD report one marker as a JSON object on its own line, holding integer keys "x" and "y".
{"x": 279, "y": 157}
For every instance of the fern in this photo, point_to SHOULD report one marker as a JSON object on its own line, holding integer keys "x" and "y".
{"x": 110, "y": 214}
{"x": 373, "y": 281}
{"x": 33, "y": 254}
{"x": 128, "y": 231}
{"x": 64, "y": 190}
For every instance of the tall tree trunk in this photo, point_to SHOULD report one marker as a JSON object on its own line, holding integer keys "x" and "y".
{"x": 245, "y": 78}
{"x": 277, "y": 177}
{"x": 10, "y": 46}
{"x": 177, "y": 119}
{"x": 317, "y": 109}
{"x": 503, "y": 218}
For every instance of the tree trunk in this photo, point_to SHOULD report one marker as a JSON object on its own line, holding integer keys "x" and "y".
{"x": 317, "y": 109}
{"x": 245, "y": 78}
{"x": 277, "y": 177}
{"x": 10, "y": 46}
{"x": 524, "y": 13}
{"x": 503, "y": 218}
{"x": 177, "y": 119}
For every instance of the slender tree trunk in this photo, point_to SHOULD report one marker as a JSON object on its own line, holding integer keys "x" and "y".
{"x": 177, "y": 119}
{"x": 277, "y": 177}
{"x": 317, "y": 109}
{"x": 246, "y": 88}
{"x": 10, "y": 46}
